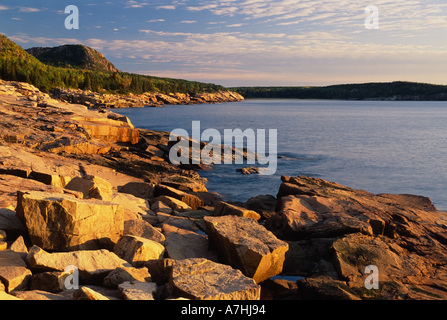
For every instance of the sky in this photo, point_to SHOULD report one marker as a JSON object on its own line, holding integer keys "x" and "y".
{"x": 248, "y": 42}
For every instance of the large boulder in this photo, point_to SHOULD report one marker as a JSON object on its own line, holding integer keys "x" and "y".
{"x": 225, "y": 209}
{"x": 10, "y": 224}
{"x": 184, "y": 244}
{"x": 143, "y": 229}
{"x": 121, "y": 275}
{"x": 92, "y": 187}
{"x": 134, "y": 208}
{"x": 172, "y": 203}
{"x": 14, "y": 273}
{"x": 109, "y": 130}
{"x": 408, "y": 275}
{"x": 137, "y": 290}
{"x": 314, "y": 216}
{"x": 142, "y": 190}
{"x": 246, "y": 245}
{"x": 338, "y": 234}
{"x": 93, "y": 265}
{"x": 191, "y": 200}
{"x": 53, "y": 281}
{"x": 201, "y": 279}
{"x": 63, "y": 223}
{"x": 138, "y": 250}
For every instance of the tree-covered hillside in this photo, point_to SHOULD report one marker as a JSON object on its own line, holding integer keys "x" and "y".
{"x": 18, "y": 65}
{"x": 75, "y": 56}
{"x": 366, "y": 91}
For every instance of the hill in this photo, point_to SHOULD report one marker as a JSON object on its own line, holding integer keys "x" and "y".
{"x": 75, "y": 56}
{"x": 18, "y": 65}
{"x": 367, "y": 91}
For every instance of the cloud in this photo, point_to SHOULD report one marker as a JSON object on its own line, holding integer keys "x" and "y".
{"x": 135, "y": 4}
{"x": 4, "y": 8}
{"x": 282, "y": 41}
{"x": 28, "y": 9}
{"x": 170, "y": 7}
{"x": 204, "y": 7}
{"x": 23, "y": 38}
{"x": 397, "y": 14}
{"x": 268, "y": 57}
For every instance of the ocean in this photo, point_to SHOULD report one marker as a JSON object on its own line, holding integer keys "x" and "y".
{"x": 377, "y": 146}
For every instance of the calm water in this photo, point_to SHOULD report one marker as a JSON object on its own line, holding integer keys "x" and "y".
{"x": 380, "y": 147}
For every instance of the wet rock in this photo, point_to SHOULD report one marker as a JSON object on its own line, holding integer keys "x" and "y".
{"x": 247, "y": 171}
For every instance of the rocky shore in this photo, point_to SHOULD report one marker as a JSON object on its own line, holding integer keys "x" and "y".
{"x": 84, "y": 193}
{"x": 149, "y": 99}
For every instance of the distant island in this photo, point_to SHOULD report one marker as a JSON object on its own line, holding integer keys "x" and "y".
{"x": 394, "y": 91}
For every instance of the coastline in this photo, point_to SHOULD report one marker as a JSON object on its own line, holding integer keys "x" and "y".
{"x": 53, "y": 152}
{"x": 110, "y": 101}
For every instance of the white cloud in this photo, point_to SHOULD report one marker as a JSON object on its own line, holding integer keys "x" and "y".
{"x": 28, "y": 9}
{"x": 170, "y": 7}
{"x": 349, "y": 14}
{"x": 135, "y": 4}
{"x": 4, "y": 8}
{"x": 216, "y": 22}
{"x": 238, "y": 58}
{"x": 305, "y": 39}
{"x": 204, "y": 7}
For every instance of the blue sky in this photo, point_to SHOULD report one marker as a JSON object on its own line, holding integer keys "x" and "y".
{"x": 248, "y": 42}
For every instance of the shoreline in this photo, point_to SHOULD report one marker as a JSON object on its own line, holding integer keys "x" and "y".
{"x": 95, "y": 100}
{"x": 151, "y": 217}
